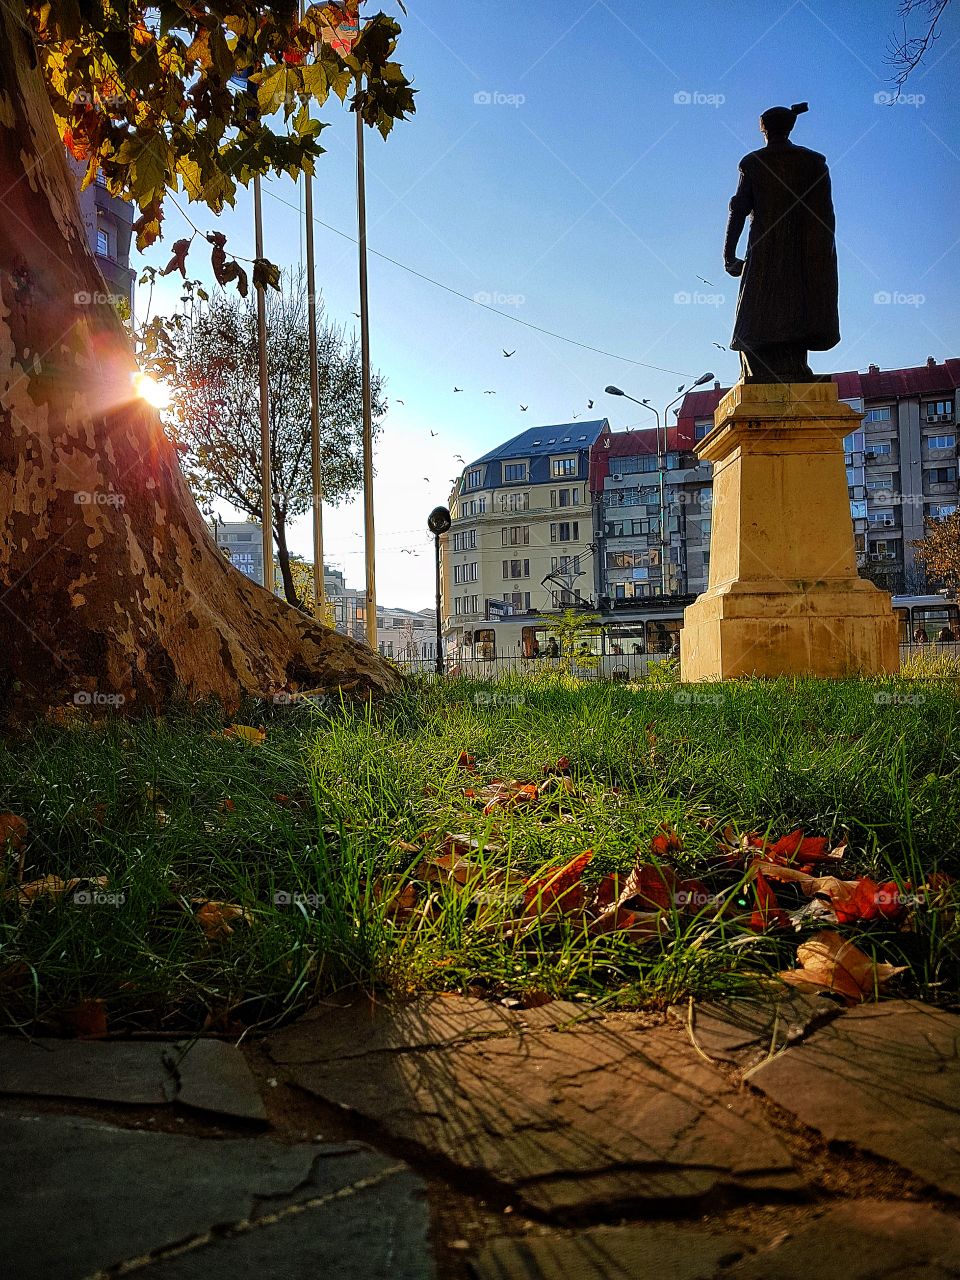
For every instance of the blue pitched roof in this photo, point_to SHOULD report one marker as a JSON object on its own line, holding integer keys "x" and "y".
{"x": 539, "y": 441}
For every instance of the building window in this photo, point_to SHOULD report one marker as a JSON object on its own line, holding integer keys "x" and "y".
{"x": 942, "y": 475}
{"x": 516, "y": 568}
{"x": 465, "y": 572}
{"x": 878, "y": 449}
{"x": 103, "y": 243}
{"x": 563, "y": 467}
{"x": 514, "y": 501}
{"x": 565, "y": 531}
{"x": 564, "y": 497}
{"x": 474, "y": 478}
{"x": 938, "y": 409}
{"x": 942, "y": 442}
{"x": 858, "y": 510}
{"x": 877, "y": 415}
{"x": 518, "y": 536}
{"x": 466, "y": 541}
{"x": 884, "y": 518}
{"x": 514, "y": 471}
{"x": 853, "y": 443}
{"x": 942, "y": 511}
{"x": 519, "y": 599}
{"x": 702, "y": 428}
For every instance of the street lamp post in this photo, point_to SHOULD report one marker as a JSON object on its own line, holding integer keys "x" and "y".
{"x": 438, "y": 522}
{"x": 661, "y": 461}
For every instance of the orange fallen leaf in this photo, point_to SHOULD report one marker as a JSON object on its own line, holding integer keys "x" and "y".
{"x": 559, "y": 891}
{"x": 214, "y": 918}
{"x": 665, "y": 841}
{"x": 87, "y": 1020}
{"x": 13, "y": 831}
{"x": 832, "y": 963}
{"x": 243, "y": 733}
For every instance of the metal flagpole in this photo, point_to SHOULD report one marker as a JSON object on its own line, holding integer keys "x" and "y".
{"x": 318, "y": 580}
{"x": 318, "y": 588}
{"x": 368, "y": 527}
{"x": 266, "y": 487}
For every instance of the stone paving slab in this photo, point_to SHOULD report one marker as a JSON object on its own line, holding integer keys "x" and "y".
{"x": 862, "y": 1240}
{"x": 609, "y": 1113}
{"x": 351, "y": 1030}
{"x": 609, "y": 1253}
{"x": 208, "y": 1075}
{"x": 77, "y": 1196}
{"x": 744, "y": 1031}
{"x": 884, "y": 1077}
{"x": 855, "y": 1240}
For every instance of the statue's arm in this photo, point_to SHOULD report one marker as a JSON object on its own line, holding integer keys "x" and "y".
{"x": 741, "y": 206}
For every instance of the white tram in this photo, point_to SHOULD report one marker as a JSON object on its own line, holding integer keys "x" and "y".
{"x": 622, "y": 644}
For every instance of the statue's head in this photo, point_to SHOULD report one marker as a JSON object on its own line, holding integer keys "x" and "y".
{"x": 777, "y": 122}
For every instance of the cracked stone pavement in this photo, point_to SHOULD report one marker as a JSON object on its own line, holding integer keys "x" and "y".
{"x": 583, "y": 1145}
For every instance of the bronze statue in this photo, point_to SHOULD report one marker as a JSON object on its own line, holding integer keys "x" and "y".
{"x": 788, "y": 277}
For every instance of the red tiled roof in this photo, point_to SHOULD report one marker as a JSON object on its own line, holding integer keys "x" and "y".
{"x": 887, "y": 384}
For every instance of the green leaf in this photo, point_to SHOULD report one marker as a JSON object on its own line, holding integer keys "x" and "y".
{"x": 272, "y": 90}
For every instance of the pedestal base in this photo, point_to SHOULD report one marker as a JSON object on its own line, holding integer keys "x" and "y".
{"x": 784, "y": 595}
{"x": 748, "y": 629}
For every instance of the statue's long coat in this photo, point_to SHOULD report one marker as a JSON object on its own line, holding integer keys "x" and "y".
{"x": 788, "y": 290}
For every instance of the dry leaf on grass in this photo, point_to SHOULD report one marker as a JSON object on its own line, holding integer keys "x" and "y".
{"x": 832, "y": 963}
{"x": 86, "y": 1020}
{"x": 559, "y": 892}
{"x": 214, "y": 918}
{"x": 13, "y": 831}
{"x": 243, "y": 733}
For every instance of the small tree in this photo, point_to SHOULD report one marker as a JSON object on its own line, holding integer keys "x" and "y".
{"x": 939, "y": 551}
{"x": 212, "y": 362}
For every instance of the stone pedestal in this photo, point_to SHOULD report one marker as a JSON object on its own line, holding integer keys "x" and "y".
{"x": 784, "y": 596}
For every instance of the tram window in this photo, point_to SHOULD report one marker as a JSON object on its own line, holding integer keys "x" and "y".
{"x": 625, "y": 640}
{"x": 548, "y": 643}
{"x": 940, "y": 623}
{"x": 529, "y": 644}
{"x": 663, "y": 635}
{"x": 588, "y": 643}
{"x": 903, "y": 617}
{"x": 485, "y": 643}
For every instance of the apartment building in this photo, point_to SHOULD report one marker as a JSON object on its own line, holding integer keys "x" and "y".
{"x": 108, "y": 222}
{"x": 650, "y": 514}
{"x": 522, "y": 537}
{"x": 901, "y": 464}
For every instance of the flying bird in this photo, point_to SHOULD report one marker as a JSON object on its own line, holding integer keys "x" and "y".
{"x": 458, "y": 388}
{"x": 489, "y": 393}
{"x": 589, "y": 404}
{"x": 458, "y": 458}
{"x": 709, "y": 282}
{"x": 433, "y": 433}
{"x": 718, "y": 346}
{"x": 508, "y": 354}
{"x": 401, "y": 402}
{"x": 524, "y": 408}
{"x": 576, "y": 416}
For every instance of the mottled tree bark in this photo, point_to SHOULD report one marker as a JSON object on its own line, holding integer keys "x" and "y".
{"x": 111, "y": 586}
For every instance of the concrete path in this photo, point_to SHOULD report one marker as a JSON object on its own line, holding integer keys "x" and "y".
{"x": 450, "y": 1137}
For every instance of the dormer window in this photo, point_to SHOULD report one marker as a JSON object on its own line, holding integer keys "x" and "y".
{"x": 515, "y": 472}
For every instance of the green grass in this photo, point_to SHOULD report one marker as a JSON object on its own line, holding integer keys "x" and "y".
{"x": 144, "y": 803}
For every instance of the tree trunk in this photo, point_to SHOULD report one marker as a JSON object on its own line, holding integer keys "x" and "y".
{"x": 283, "y": 560}
{"x": 112, "y": 591}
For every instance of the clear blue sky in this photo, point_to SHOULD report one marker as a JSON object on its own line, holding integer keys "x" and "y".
{"x": 587, "y": 197}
